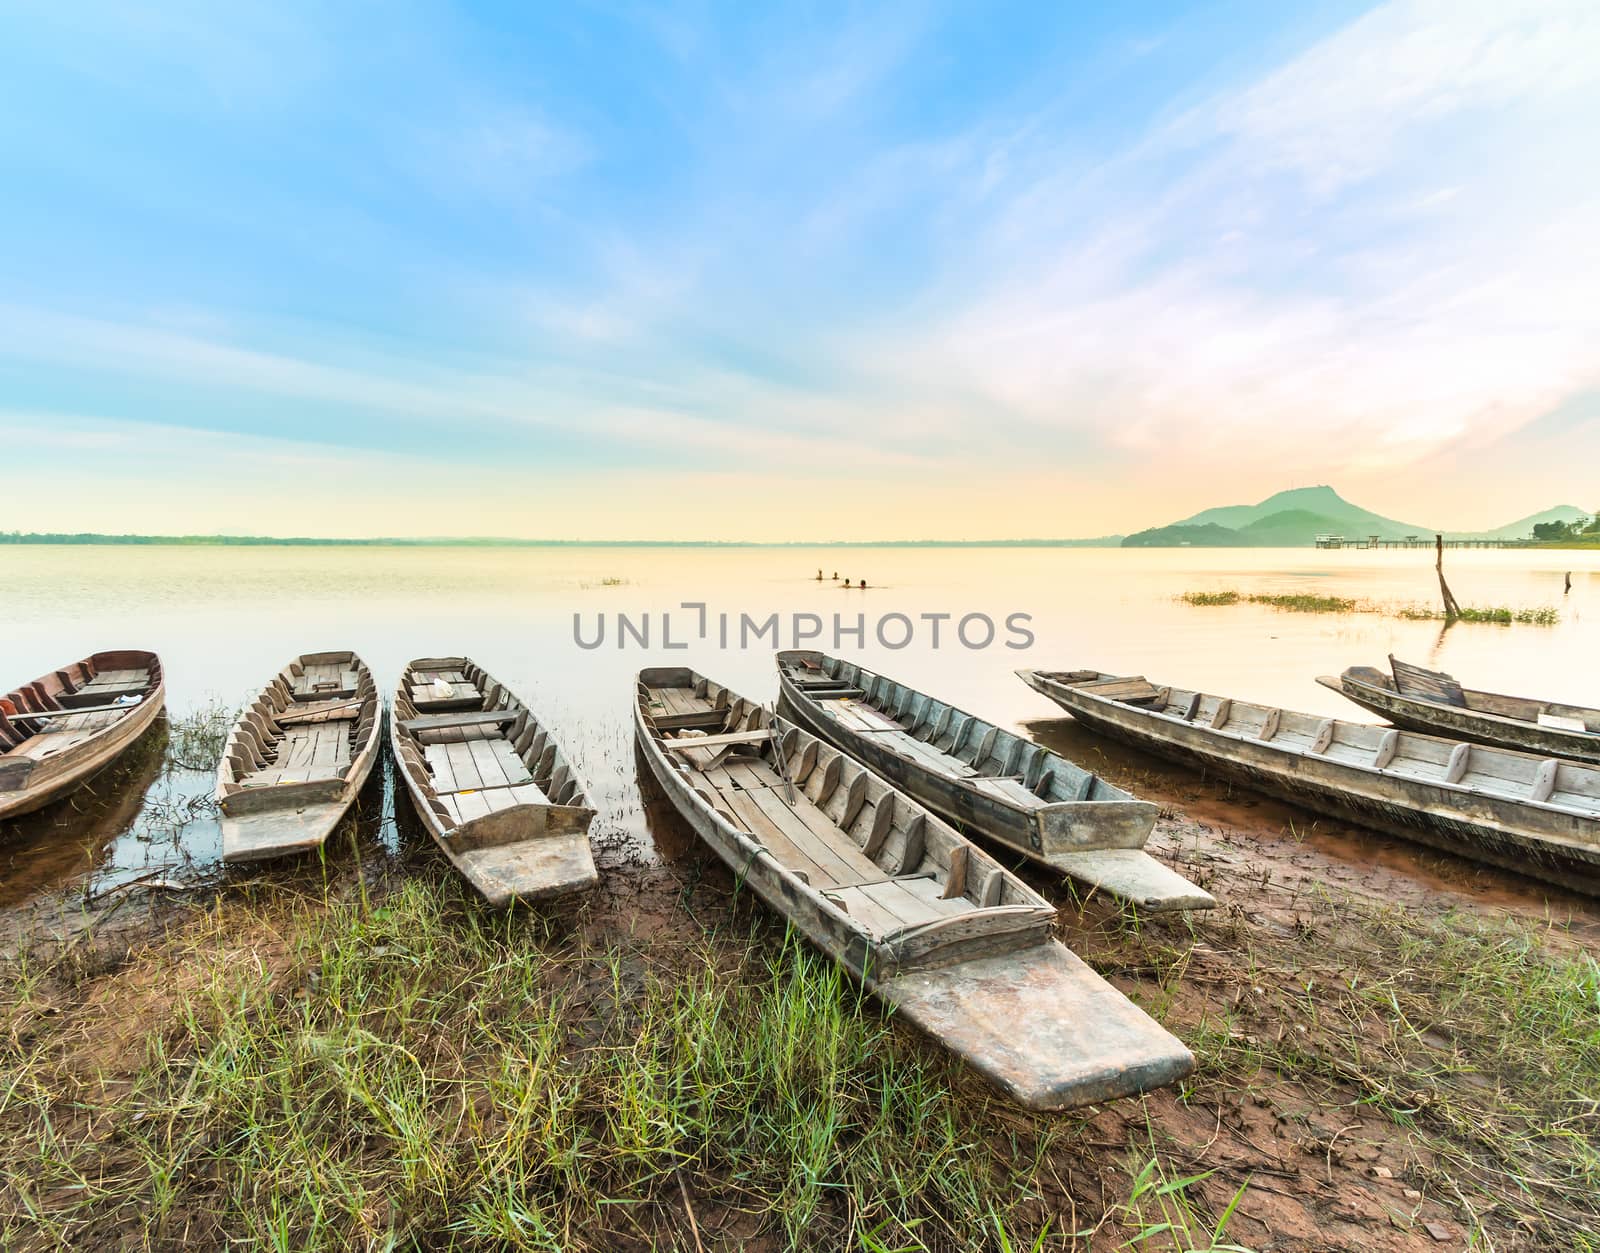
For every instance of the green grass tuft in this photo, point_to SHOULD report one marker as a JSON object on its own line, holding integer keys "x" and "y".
{"x": 1306, "y": 602}
{"x": 427, "y": 1074}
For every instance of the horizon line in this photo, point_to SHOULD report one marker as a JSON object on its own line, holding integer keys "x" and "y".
{"x": 68, "y": 539}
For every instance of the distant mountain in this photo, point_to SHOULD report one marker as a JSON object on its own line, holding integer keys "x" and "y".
{"x": 1523, "y": 527}
{"x": 1294, "y": 519}
{"x": 1323, "y": 502}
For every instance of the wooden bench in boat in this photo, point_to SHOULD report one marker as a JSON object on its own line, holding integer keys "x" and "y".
{"x": 324, "y": 679}
{"x": 105, "y": 687}
{"x": 683, "y": 744}
{"x": 462, "y": 695}
{"x": 1131, "y": 690}
{"x": 305, "y": 714}
{"x": 467, "y": 718}
{"x": 82, "y": 711}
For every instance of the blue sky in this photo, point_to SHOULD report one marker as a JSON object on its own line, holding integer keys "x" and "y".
{"x": 792, "y": 272}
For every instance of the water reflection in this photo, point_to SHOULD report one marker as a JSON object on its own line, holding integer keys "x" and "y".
{"x": 88, "y": 830}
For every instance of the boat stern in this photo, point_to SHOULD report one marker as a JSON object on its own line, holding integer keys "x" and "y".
{"x": 264, "y": 834}
{"x": 1042, "y": 1026}
{"x": 528, "y": 853}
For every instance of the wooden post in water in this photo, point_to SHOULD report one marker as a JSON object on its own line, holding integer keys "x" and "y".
{"x": 1452, "y": 611}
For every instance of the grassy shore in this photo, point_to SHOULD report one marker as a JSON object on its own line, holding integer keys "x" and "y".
{"x": 324, "y": 1071}
{"x": 399, "y": 1067}
{"x": 1305, "y": 602}
{"x": 353, "y": 1053}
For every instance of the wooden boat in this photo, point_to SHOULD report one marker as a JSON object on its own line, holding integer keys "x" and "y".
{"x": 996, "y": 783}
{"x": 67, "y": 726}
{"x": 490, "y": 784}
{"x": 1430, "y": 700}
{"x": 298, "y": 756}
{"x": 1537, "y": 816}
{"x": 956, "y": 943}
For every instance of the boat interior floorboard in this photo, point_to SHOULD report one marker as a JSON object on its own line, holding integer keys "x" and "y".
{"x": 746, "y": 787}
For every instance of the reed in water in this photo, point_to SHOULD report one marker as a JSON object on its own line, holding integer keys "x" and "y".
{"x": 1306, "y": 602}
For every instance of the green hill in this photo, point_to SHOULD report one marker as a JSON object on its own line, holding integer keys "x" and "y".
{"x": 1339, "y": 515}
{"x": 1294, "y": 519}
{"x": 1523, "y": 527}
{"x": 1290, "y": 528}
{"x": 1207, "y": 536}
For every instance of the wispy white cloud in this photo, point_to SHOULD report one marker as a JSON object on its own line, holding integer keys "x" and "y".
{"x": 1185, "y": 303}
{"x": 775, "y": 427}
{"x": 1372, "y": 256}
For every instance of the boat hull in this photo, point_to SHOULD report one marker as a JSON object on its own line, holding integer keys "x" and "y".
{"x": 1469, "y": 724}
{"x": 532, "y": 851}
{"x": 1553, "y": 846}
{"x": 54, "y": 777}
{"x": 261, "y": 822}
{"x": 1093, "y": 825}
{"x": 1036, "y": 1022}
{"x": 1099, "y": 843}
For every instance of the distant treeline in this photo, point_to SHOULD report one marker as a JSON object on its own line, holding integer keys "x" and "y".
{"x": 258, "y": 541}
{"x": 198, "y": 541}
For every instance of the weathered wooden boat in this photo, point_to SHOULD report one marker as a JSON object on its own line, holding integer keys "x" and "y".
{"x": 1536, "y": 816}
{"x": 996, "y": 783}
{"x": 1432, "y": 701}
{"x": 67, "y": 726}
{"x": 956, "y": 943}
{"x": 490, "y": 784}
{"x": 297, "y": 757}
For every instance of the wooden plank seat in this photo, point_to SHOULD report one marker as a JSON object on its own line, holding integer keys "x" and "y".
{"x": 327, "y": 711}
{"x": 897, "y": 739}
{"x": 462, "y": 695}
{"x": 698, "y": 720}
{"x": 466, "y": 718}
{"x": 1130, "y": 691}
{"x": 325, "y": 679}
{"x": 803, "y": 838}
{"x": 83, "y": 711}
{"x": 684, "y": 743}
{"x": 105, "y": 688}
{"x": 1005, "y": 788}
{"x": 857, "y": 715}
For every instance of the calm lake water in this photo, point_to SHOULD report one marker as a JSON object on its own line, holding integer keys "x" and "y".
{"x": 225, "y": 620}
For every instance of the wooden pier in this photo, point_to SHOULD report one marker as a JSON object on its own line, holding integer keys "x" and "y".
{"x": 1415, "y": 541}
